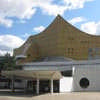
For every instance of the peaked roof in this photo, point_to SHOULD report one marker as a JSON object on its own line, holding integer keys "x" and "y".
{"x": 60, "y": 24}
{"x": 57, "y": 33}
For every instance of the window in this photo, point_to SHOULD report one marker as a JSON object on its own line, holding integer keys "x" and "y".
{"x": 70, "y": 38}
{"x": 70, "y": 51}
{"x": 28, "y": 55}
{"x": 66, "y": 73}
{"x": 84, "y": 83}
{"x": 18, "y": 80}
{"x": 84, "y": 41}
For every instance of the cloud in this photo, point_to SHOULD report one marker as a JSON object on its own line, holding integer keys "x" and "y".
{"x": 8, "y": 43}
{"x": 3, "y": 52}
{"x": 6, "y": 22}
{"x": 25, "y": 9}
{"x": 21, "y": 9}
{"x": 76, "y": 4}
{"x": 38, "y": 29}
{"x": 91, "y": 27}
{"x": 77, "y": 20}
{"x": 50, "y": 8}
{"x": 26, "y": 35}
{"x": 17, "y": 8}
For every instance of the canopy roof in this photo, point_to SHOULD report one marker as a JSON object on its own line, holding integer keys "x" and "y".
{"x": 33, "y": 74}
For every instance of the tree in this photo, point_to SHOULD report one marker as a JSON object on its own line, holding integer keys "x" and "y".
{"x": 7, "y": 62}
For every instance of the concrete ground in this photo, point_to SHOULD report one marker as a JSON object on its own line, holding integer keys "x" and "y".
{"x": 5, "y": 95}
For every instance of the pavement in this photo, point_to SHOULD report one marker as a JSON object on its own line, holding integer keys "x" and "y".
{"x": 20, "y": 95}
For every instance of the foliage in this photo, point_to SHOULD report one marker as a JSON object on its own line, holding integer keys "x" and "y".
{"x": 7, "y": 62}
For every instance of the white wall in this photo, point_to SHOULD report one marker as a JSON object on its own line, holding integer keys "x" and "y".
{"x": 91, "y": 72}
{"x": 66, "y": 84}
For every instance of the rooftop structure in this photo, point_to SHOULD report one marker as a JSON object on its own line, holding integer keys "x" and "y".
{"x": 60, "y": 39}
{"x": 60, "y": 54}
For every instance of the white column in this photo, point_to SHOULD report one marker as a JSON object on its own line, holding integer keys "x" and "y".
{"x": 37, "y": 87}
{"x": 51, "y": 86}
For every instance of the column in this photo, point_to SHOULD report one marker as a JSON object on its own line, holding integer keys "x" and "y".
{"x": 51, "y": 90}
{"x": 37, "y": 87}
{"x": 12, "y": 85}
{"x": 25, "y": 87}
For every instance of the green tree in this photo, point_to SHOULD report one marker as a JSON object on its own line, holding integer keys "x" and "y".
{"x": 7, "y": 62}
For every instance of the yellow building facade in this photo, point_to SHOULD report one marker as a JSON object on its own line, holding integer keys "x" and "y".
{"x": 60, "y": 39}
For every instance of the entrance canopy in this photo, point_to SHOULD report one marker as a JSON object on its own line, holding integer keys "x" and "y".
{"x": 33, "y": 74}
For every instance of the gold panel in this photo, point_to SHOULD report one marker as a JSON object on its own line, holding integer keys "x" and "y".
{"x": 56, "y": 40}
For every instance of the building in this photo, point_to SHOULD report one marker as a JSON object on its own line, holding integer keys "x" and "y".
{"x": 71, "y": 76}
{"x": 86, "y": 78}
{"x": 59, "y": 39}
{"x": 57, "y": 59}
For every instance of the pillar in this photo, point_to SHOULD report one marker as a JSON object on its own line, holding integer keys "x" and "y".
{"x": 37, "y": 86}
{"x": 12, "y": 85}
{"x": 51, "y": 88}
{"x": 25, "y": 87}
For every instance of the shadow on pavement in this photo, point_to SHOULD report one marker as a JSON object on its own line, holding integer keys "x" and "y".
{"x": 17, "y": 93}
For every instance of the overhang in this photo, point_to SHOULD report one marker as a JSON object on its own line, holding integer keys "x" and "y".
{"x": 20, "y": 56}
{"x": 53, "y": 66}
{"x": 33, "y": 74}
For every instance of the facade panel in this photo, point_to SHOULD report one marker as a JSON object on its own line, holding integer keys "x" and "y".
{"x": 56, "y": 39}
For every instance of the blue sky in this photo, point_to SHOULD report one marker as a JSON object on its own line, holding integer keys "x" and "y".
{"x": 21, "y": 18}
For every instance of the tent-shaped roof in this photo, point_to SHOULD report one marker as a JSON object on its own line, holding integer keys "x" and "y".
{"x": 56, "y": 40}
{"x": 33, "y": 74}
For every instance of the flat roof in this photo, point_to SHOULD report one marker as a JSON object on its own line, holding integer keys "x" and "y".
{"x": 61, "y": 66}
{"x": 53, "y": 63}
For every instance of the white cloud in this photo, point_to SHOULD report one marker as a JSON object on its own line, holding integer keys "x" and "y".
{"x": 21, "y": 9}
{"x": 48, "y": 6}
{"x": 6, "y": 22}
{"x": 3, "y": 52}
{"x": 77, "y": 20}
{"x": 17, "y": 8}
{"x": 8, "y": 43}
{"x": 26, "y": 35}
{"x": 39, "y": 29}
{"x": 52, "y": 9}
{"x": 91, "y": 27}
{"x": 75, "y": 4}
{"x": 25, "y": 9}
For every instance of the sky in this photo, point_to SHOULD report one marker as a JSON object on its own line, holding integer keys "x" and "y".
{"x": 21, "y": 18}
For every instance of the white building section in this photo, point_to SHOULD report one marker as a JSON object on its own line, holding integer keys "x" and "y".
{"x": 83, "y": 75}
{"x": 86, "y": 78}
{"x": 66, "y": 84}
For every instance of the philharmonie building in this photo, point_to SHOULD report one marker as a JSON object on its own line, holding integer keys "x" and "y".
{"x": 60, "y": 59}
